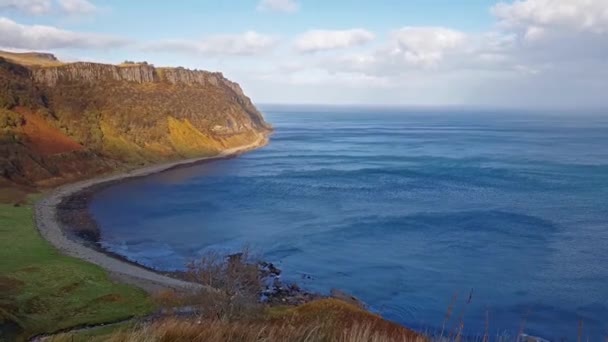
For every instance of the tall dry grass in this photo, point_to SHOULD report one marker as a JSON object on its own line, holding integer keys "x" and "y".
{"x": 220, "y": 331}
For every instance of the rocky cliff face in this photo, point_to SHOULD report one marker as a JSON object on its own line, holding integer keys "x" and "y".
{"x": 139, "y": 73}
{"x": 103, "y": 117}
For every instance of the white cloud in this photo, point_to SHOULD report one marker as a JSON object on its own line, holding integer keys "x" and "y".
{"x": 407, "y": 50}
{"x": 38, "y": 37}
{"x": 540, "y": 52}
{"x": 581, "y": 15}
{"x": 322, "y": 40}
{"x": 77, "y": 6}
{"x": 285, "y": 6}
{"x": 321, "y": 77}
{"x": 36, "y": 7}
{"x": 425, "y": 46}
{"x": 245, "y": 44}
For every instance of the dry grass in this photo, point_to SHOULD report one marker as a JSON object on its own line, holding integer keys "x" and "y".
{"x": 189, "y": 141}
{"x": 220, "y": 331}
{"x": 30, "y": 59}
{"x": 343, "y": 318}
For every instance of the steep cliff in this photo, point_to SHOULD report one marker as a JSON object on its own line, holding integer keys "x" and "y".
{"x": 60, "y": 122}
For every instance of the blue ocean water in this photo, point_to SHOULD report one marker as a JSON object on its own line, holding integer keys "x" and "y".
{"x": 406, "y": 209}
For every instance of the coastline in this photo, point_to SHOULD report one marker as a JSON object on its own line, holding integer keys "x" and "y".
{"x": 52, "y": 228}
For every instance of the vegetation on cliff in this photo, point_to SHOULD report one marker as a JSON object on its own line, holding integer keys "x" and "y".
{"x": 65, "y": 121}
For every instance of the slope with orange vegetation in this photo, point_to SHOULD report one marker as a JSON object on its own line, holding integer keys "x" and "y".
{"x": 43, "y": 138}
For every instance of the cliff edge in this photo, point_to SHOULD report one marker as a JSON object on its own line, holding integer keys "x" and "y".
{"x": 65, "y": 121}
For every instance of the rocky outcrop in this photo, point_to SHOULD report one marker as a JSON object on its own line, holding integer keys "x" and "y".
{"x": 114, "y": 116}
{"x": 133, "y": 72}
{"x": 189, "y": 77}
{"x": 93, "y": 72}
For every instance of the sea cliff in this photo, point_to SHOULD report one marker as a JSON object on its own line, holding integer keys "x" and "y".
{"x": 65, "y": 121}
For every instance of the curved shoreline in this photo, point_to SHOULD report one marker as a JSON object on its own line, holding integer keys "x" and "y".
{"x": 52, "y": 230}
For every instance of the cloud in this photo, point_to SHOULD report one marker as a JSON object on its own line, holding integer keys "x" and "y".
{"x": 41, "y": 7}
{"x": 285, "y": 6}
{"x": 553, "y": 32}
{"x": 425, "y": 46}
{"x": 539, "y": 52}
{"x": 35, "y": 7}
{"x": 407, "y": 49}
{"x": 580, "y": 15}
{"x": 38, "y": 37}
{"x": 323, "y": 40}
{"x": 321, "y": 77}
{"x": 245, "y": 44}
{"x": 77, "y": 6}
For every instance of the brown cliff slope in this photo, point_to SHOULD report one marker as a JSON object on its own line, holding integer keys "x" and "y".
{"x": 60, "y": 122}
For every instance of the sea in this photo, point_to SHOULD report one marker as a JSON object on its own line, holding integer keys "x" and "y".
{"x": 496, "y": 220}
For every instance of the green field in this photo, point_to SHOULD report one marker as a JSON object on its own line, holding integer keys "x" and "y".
{"x": 42, "y": 291}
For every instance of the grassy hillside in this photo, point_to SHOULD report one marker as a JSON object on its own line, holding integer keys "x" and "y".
{"x": 44, "y": 291}
{"x": 61, "y": 122}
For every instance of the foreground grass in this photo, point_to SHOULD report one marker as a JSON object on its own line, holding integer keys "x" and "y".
{"x": 318, "y": 321}
{"x": 42, "y": 291}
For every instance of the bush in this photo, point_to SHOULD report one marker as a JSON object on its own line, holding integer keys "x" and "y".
{"x": 230, "y": 290}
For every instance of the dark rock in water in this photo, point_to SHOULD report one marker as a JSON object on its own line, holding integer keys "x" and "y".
{"x": 269, "y": 269}
{"x": 277, "y": 292}
{"x": 341, "y": 295}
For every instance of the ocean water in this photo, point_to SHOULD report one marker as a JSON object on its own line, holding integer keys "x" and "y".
{"x": 505, "y": 214}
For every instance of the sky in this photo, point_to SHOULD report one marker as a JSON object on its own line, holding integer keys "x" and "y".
{"x": 504, "y": 53}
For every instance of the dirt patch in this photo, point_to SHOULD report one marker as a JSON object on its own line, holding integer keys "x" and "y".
{"x": 31, "y": 269}
{"x": 10, "y": 285}
{"x": 110, "y": 298}
{"x": 70, "y": 288}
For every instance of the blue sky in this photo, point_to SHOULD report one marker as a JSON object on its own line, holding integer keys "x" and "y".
{"x": 394, "y": 52}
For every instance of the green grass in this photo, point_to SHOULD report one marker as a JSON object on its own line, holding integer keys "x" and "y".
{"x": 42, "y": 291}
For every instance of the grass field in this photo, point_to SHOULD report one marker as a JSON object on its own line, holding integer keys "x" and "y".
{"x": 42, "y": 291}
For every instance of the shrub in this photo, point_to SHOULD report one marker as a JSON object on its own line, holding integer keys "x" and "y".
{"x": 230, "y": 290}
